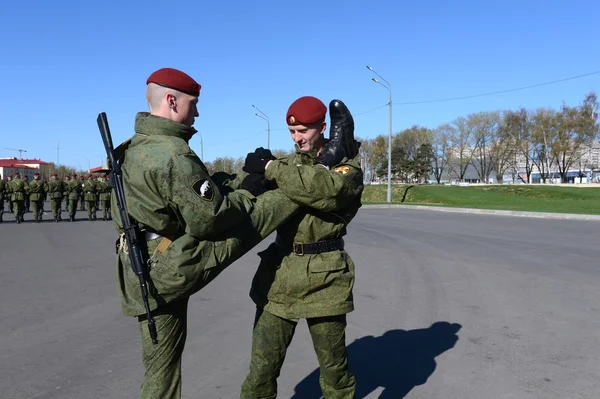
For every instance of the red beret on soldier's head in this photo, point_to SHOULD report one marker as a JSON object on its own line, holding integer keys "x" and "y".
{"x": 175, "y": 79}
{"x": 36, "y": 174}
{"x": 90, "y": 176}
{"x": 305, "y": 111}
{"x": 74, "y": 174}
{"x": 54, "y": 174}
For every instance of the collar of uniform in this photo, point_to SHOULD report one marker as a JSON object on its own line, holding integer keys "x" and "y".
{"x": 312, "y": 153}
{"x": 152, "y": 125}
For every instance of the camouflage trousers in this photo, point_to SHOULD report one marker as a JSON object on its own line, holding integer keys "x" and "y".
{"x": 72, "y": 207}
{"x": 91, "y": 207}
{"x": 162, "y": 362}
{"x": 106, "y": 208}
{"x": 55, "y": 207}
{"x": 38, "y": 208}
{"x": 272, "y": 336}
{"x": 18, "y": 208}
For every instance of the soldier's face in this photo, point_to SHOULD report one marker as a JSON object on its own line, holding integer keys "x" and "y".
{"x": 183, "y": 108}
{"x": 308, "y": 137}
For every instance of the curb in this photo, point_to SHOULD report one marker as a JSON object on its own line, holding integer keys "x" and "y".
{"x": 540, "y": 215}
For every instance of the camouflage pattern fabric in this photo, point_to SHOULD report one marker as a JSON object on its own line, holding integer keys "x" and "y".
{"x": 300, "y": 286}
{"x": 169, "y": 191}
{"x": 2, "y": 194}
{"x": 36, "y": 197}
{"x": 289, "y": 286}
{"x": 272, "y": 336}
{"x": 55, "y": 191}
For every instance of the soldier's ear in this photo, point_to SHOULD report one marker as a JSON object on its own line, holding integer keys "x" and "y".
{"x": 323, "y": 127}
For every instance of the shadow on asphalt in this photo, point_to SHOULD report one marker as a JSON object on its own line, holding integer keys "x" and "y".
{"x": 397, "y": 361}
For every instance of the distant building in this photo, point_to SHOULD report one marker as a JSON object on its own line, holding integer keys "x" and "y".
{"x": 26, "y": 167}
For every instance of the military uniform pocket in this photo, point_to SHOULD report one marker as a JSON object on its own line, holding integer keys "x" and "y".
{"x": 327, "y": 262}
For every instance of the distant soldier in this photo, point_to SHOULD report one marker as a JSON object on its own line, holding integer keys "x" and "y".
{"x": 89, "y": 195}
{"x": 7, "y": 194}
{"x": 55, "y": 190}
{"x": 2, "y": 193}
{"x": 75, "y": 191}
{"x": 17, "y": 191}
{"x": 27, "y": 202}
{"x": 104, "y": 189}
{"x": 36, "y": 197}
{"x": 66, "y": 190}
{"x": 81, "y": 199}
{"x": 45, "y": 182}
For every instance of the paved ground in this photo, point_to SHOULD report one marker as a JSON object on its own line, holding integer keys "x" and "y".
{"x": 447, "y": 306}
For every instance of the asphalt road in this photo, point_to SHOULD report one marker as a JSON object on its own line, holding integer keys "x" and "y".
{"x": 447, "y": 306}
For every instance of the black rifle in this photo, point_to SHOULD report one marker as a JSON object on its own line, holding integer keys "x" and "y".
{"x": 132, "y": 231}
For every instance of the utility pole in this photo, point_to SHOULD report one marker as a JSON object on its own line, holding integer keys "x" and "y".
{"x": 266, "y": 118}
{"x": 17, "y": 149}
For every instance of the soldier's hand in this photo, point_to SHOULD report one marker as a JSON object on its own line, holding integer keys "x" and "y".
{"x": 256, "y": 184}
{"x": 257, "y": 161}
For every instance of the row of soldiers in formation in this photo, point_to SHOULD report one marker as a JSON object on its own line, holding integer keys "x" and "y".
{"x": 73, "y": 190}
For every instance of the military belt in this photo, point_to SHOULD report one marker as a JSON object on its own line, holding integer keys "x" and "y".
{"x": 335, "y": 244}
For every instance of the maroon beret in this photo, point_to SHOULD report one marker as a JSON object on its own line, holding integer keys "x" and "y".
{"x": 74, "y": 175}
{"x": 54, "y": 174}
{"x": 36, "y": 174}
{"x": 175, "y": 79}
{"x": 306, "y": 110}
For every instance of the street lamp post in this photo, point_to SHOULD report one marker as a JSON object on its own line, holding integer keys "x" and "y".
{"x": 264, "y": 116}
{"x": 201, "y": 147}
{"x": 388, "y": 87}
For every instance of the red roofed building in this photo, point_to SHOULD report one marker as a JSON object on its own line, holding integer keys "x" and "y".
{"x": 26, "y": 167}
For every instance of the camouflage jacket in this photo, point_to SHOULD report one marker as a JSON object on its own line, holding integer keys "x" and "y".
{"x": 55, "y": 189}
{"x": 17, "y": 188}
{"x": 2, "y": 189}
{"x": 169, "y": 191}
{"x": 36, "y": 190}
{"x": 89, "y": 190}
{"x": 295, "y": 286}
{"x": 103, "y": 189}
{"x": 74, "y": 189}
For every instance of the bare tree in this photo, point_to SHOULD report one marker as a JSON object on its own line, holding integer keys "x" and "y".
{"x": 460, "y": 146}
{"x": 439, "y": 145}
{"x": 575, "y": 128}
{"x": 519, "y": 126}
{"x": 484, "y": 127}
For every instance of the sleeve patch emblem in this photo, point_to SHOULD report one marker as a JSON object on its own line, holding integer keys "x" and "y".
{"x": 203, "y": 189}
{"x": 342, "y": 169}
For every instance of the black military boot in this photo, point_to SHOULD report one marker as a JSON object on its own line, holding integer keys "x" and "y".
{"x": 341, "y": 141}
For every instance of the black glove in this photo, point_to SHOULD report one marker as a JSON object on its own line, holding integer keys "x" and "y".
{"x": 257, "y": 161}
{"x": 341, "y": 136}
{"x": 257, "y": 184}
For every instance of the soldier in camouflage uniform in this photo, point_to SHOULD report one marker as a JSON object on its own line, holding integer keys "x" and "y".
{"x": 18, "y": 189}
{"x": 36, "y": 196}
{"x": 74, "y": 194}
{"x": 66, "y": 188}
{"x": 7, "y": 194}
{"x": 89, "y": 195}
{"x": 27, "y": 201}
{"x": 194, "y": 227}
{"x": 104, "y": 190}
{"x": 55, "y": 191}
{"x": 2, "y": 194}
{"x": 81, "y": 198}
{"x": 306, "y": 273}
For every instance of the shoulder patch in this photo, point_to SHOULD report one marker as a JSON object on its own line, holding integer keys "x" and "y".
{"x": 342, "y": 169}
{"x": 203, "y": 189}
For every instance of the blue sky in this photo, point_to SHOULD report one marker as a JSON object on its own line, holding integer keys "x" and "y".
{"x": 62, "y": 62}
